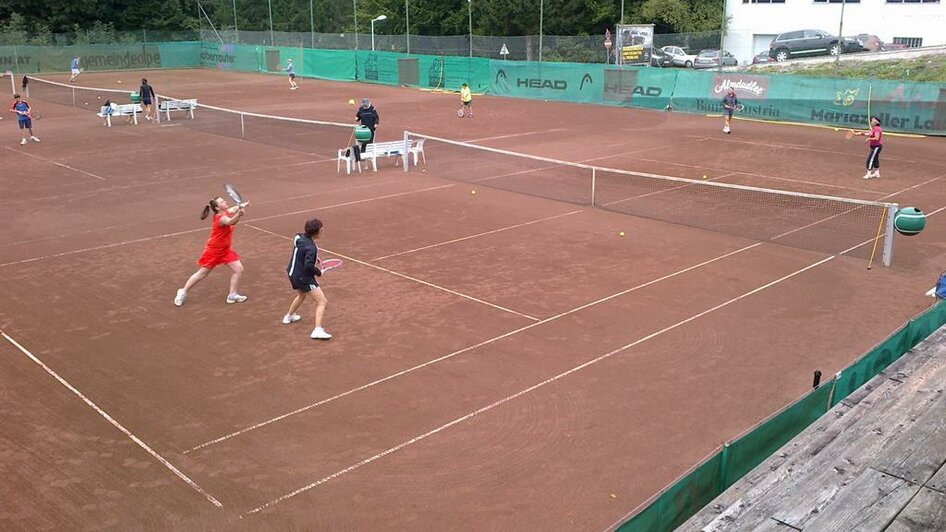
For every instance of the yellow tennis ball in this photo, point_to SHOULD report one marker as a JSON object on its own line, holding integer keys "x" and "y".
{"x": 473, "y": 192}
{"x": 119, "y": 82}
{"x": 621, "y": 233}
{"x": 704, "y": 176}
{"x": 351, "y": 102}
{"x": 835, "y": 129}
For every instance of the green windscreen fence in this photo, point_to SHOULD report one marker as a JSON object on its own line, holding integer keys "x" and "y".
{"x": 99, "y": 57}
{"x": 678, "y": 502}
{"x": 901, "y": 106}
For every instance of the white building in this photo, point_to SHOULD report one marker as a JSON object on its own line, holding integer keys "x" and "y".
{"x": 754, "y": 23}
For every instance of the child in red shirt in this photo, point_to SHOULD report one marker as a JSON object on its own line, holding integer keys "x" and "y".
{"x": 875, "y": 143}
{"x": 217, "y": 250}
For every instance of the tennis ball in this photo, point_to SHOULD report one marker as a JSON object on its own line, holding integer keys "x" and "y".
{"x": 119, "y": 82}
{"x": 835, "y": 129}
{"x": 351, "y": 101}
{"x": 621, "y": 233}
{"x": 473, "y": 192}
{"x": 704, "y": 176}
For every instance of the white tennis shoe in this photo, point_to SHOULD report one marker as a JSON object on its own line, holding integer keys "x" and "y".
{"x": 235, "y": 298}
{"x": 179, "y": 298}
{"x": 319, "y": 334}
{"x": 35, "y": 139}
{"x": 290, "y": 318}
{"x": 23, "y": 142}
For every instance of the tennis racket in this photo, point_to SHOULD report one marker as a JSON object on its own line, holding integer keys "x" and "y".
{"x": 460, "y": 112}
{"x": 34, "y": 115}
{"x": 850, "y": 134}
{"x": 235, "y": 195}
{"x": 329, "y": 264}
{"x": 737, "y": 107}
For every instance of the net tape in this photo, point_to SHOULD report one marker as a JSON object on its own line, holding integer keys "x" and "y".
{"x": 814, "y": 222}
{"x": 309, "y": 136}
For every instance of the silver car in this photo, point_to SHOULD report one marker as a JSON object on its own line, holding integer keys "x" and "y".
{"x": 680, "y": 56}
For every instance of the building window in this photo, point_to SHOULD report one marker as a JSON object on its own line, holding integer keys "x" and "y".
{"x": 910, "y": 42}
{"x": 763, "y": 1}
{"x": 837, "y": 1}
{"x": 912, "y": 1}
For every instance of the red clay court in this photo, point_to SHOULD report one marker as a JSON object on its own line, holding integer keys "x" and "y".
{"x": 500, "y": 361}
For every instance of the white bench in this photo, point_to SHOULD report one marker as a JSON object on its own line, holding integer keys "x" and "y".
{"x": 125, "y": 109}
{"x": 183, "y": 106}
{"x": 394, "y": 149}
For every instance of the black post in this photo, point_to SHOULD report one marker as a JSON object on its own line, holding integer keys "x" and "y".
{"x": 817, "y": 381}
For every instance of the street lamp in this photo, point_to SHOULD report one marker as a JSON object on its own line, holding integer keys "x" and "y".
{"x": 469, "y": 10}
{"x": 379, "y": 18}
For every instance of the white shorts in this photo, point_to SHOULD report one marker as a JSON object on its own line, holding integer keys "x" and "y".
{"x": 75, "y": 71}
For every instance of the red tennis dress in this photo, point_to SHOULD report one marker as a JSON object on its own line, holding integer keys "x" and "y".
{"x": 217, "y": 251}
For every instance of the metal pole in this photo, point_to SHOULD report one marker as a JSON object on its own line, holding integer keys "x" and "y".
{"x": 372, "y": 35}
{"x": 236, "y": 29}
{"x": 272, "y": 38}
{"x": 407, "y": 17}
{"x": 837, "y": 58}
{"x": 541, "y": 20}
{"x": 622, "y": 11}
{"x": 312, "y": 21}
{"x": 354, "y": 5}
{"x": 469, "y": 6}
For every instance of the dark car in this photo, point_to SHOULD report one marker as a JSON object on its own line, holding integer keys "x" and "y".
{"x": 660, "y": 58}
{"x": 711, "y": 59}
{"x": 762, "y": 57}
{"x": 804, "y": 43}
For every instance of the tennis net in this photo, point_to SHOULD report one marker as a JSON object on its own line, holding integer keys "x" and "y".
{"x": 308, "y": 136}
{"x": 826, "y": 224}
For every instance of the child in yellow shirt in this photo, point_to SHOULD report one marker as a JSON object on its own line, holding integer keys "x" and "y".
{"x": 466, "y": 101}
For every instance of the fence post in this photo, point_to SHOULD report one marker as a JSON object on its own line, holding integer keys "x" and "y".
{"x": 407, "y": 148}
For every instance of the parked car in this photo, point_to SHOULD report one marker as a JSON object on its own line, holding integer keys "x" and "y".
{"x": 762, "y": 57}
{"x": 804, "y": 43}
{"x": 711, "y": 59}
{"x": 660, "y": 58}
{"x": 680, "y": 56}
{"x": 873, "y": 43}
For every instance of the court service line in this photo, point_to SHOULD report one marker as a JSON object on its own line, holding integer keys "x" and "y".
{"x": 461, "y": 239}
{"x": 178, "y": 233}
{"x": 515, "y": 135}
{"x": 469, "y": 348}
{"x": 532, "y": 388}
{"x": 66, "y": 166}
{"x": 408, "y": 277}
{"x": 114, "y": 423}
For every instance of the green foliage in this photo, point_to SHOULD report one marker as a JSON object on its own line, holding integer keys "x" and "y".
{"x": 926, "y": 68}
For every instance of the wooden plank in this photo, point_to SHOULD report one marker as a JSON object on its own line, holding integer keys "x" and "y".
{"x": 919, "y": 451}
{"x": 925, "y": 513}
{"x": 808, "y": 472}
{"x": 938, "y": 482}
{"x": 871, "y": 502}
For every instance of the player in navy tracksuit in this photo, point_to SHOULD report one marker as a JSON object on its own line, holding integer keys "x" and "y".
{"x": 303, "y": 269}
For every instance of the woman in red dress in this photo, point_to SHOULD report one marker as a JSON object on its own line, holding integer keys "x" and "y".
{"x": 218, "y": 251}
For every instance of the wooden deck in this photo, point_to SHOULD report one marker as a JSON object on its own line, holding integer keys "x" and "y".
{"x": 874, "y": 462}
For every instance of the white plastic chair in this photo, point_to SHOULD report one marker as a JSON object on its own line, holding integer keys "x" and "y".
{"x": 418, "y": 148}
{"x": 348, "y": 162}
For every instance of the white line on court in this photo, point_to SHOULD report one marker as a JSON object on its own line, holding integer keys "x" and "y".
{"x": 146, "y": 239}
{"x": 533, "y": 388}
{"x": 800, "y": 147}
{"x": 544, "y": 131}
{"x": 470, "y": 348}
{"x": 114, "y": 423}
{"x": 66, "y": 166}
{"x": 494, "y": 231}
{"x": 408, "y": 277}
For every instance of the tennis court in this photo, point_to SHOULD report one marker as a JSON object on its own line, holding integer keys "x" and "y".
{"x": 501, "y": 360}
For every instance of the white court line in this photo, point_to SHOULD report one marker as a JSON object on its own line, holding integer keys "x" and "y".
{"x": 408, "y": 277}
{"x": 114, "y": 423}
{"x": 470, "y": 348}
{"x": 494, "y": 231}
{"x": 66, "y": 166}
{"x": 532, "y": 388}
{"x": 146, "y": 239}
{"x": 516, "y": 135}
{"x": 801, "y": 147}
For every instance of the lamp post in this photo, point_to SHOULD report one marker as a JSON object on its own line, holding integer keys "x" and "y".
{"x": 272, "y": 39}
{"x": 354, "y": 8}
{"x": 541, "y": 19}
{"x": 407, "y": 18}
{"x": 236, "y": 30}
{"x": 379, "y": 18}
{"x": 837, "y": 58}
{"x": 622, "y": 11}
{"x": 469, "y": 11}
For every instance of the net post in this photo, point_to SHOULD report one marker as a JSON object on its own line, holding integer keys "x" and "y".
{"x": 888, "y": 234}
{"x": 242, "y": 127}
{"x": 594, "y": 173}
{"x": 73, "y": 90}
{"x": 407, "y": 149}
{"x": 12, "y": 83}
